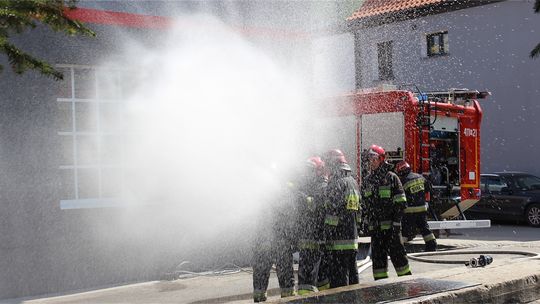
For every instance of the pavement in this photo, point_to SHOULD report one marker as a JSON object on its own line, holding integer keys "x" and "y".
{"x": 511, "y": 278}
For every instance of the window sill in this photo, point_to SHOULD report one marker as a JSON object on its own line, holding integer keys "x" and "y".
{"x": 92, "y": 203}
{"x": 436, "y": 56}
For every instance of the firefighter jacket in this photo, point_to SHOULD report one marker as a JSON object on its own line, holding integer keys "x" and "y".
{"x": 383, "y": 198}
{"x": 310, "y": 211}
{"x": 284, "y": 215}
{"x": 276, "y": 225}
{"x": 342, "y": 201}
{"x": 275, "y": 243}
{"x": 414, "y": 185}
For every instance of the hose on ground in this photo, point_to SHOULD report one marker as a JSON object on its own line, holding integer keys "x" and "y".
{"x": 419, "y": 256}
{"x": 230, "y": 268}
{"x": 226, "y": 269}
{"x": 366, "y": 263}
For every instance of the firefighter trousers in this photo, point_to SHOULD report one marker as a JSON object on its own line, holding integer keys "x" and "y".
{"x": 282, "y": 257}
{"x": 417, "y": 221}
{"x": 308, "y": 271}
{"x": 342, "y": 269}
{"x": 323, "y": 282}
{"x": 384, "y": 243}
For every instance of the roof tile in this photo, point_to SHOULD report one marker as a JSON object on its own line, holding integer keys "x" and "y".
{"x": 378, "y": 7}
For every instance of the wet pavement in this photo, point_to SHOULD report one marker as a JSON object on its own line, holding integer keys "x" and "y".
{"x": 427, "y": 278}
{"x": 389, "y": 292}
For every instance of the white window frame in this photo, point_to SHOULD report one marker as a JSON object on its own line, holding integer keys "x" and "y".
{"x": 99, "y": 201}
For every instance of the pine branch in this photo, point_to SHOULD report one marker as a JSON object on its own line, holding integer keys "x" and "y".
{"x": 21, "y": 61}
{"x": 15, "y": 20}
{"x": 53, "y": 15}
{"x": 535, "y": 53}
{"x": 16, "y": 16}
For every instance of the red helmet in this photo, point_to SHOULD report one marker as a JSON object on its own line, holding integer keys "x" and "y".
{"x": 376, "y": 150}
{"x": 403, "y": 167}
{"x": 317, "y": 164}
{"x": 336, "y": 158}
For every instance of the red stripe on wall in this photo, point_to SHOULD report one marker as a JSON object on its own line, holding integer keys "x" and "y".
{"x": 94, "y": 16}
{"x": 87, "y": 15}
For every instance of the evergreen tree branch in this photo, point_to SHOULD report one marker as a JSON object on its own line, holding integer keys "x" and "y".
{"x": 16, "y": 16}
{"x": 535, "y": 53}
{"x": 21, "y": 61}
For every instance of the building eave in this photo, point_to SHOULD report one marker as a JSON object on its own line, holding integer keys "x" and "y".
{"x": 413, "y": 13}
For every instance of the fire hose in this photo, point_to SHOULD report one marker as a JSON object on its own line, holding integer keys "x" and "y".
{"x": 481, "y": 261}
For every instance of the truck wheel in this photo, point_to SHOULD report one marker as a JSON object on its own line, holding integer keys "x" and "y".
{"x": 532, "y": 215}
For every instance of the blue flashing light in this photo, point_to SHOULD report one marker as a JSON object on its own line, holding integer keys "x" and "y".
{"x": 422, "y": 97}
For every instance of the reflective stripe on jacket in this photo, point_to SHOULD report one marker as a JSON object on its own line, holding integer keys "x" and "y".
{"x": 415, "y": 189}
{"x": 383, "y": 197}
{"x": 342, "y": 203}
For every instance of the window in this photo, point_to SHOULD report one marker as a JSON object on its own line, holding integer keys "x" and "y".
{"x": 483, "y": 184}
{"x": 90, "y": 107}
{"x": 437, "y": 44}
{"x": 384, "y": 56}
{"x": 495, "y": 184}
{"x": 527, "y": 182}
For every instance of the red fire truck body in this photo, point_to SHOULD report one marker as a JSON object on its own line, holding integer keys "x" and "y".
{"x": 437, "y": 133}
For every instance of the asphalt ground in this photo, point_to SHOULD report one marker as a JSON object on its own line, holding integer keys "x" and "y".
{"x": 237, "y": 287}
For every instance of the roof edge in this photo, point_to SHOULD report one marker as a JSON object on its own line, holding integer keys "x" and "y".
{"x": 412, "y": 13}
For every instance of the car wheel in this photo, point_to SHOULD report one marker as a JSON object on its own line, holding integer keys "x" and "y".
{"x": 532, "y": 215}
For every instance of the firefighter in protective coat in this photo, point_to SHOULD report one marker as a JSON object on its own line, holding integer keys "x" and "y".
{"x": 310, "y": 226}
{"x": 340, "y": 226}
{"x": 275, "y": 243}
{"x": 384, "y": 200}
{"x": 415, "y": 217}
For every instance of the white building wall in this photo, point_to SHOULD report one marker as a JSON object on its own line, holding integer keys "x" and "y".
{"x": 488, "y": 49}
{"x": 333, "y": 65}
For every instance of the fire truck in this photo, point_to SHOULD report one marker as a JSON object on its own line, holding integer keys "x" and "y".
{"x": 437, "y": 133}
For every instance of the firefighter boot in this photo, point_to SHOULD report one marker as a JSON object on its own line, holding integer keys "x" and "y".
{"x": 288, "y": 292}
{"x": 431, "y": 246}
{"x": 259, "y": 296}
{"x": 306, "y": 289}
{"x": 431, "y": 242}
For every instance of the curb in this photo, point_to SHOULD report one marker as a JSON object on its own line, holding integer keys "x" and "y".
{"x": 523, "y": 290}
{"x": 513, "y": 282}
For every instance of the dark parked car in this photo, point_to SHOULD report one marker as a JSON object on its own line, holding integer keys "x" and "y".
{"x": 509, "y": 196}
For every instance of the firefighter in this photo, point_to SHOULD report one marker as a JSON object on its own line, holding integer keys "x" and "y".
{"x": 384, "y": 200}
{"x": 340, "y": 229}
{"x": 310, "y": 226}
{"x": 275, "y": 243}
{"x": 415, "y": 217}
